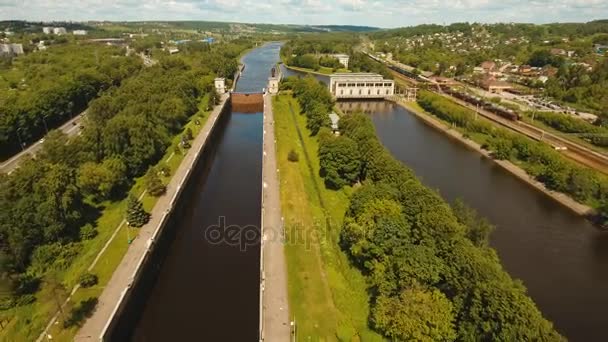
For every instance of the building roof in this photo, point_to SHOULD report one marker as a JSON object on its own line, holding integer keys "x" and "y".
{"x": 488, "y": 65}
{"x": 357, "y": 76}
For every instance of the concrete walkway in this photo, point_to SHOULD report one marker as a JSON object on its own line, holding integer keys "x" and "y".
{"x": 122, "y": 278}
{"x": 275, "y": 313}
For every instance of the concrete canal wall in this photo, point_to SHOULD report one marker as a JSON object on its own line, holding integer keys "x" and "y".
{"x": 125, "y": 292}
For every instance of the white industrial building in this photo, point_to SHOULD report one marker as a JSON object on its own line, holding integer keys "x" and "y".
{"x": 360, "y": 86}
{"x": 80, "y": 32}
{"x": 59, "y": 30}
{"x": 11, "y": 49}
{"x": 343, "y": 59}
{"x": 47, "y": 30}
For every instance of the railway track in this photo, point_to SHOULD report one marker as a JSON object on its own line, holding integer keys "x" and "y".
{"x": 574, "y": 151}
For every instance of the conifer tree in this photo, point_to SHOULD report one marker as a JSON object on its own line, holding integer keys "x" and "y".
{"x": 136, "y": 215}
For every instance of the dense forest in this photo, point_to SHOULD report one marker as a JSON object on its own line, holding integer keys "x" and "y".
{"x": 48, "y": 205}
{"x": 538, "y": 159}
{"x": 431, "y": 274}
{"x": 42, "y": 90}
{"x": 312, "y": 53}
{"x": 577, "y": 85}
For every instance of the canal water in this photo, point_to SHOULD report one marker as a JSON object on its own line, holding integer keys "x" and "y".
{"x": 560, "y": 257}
{"x": 207, "y": 287}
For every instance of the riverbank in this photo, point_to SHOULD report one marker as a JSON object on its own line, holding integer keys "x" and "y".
{"x": 561, "y": 198}
{"x": 328, "y": 71}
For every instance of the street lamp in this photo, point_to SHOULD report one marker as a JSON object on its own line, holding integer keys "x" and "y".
{"x": 45, "y": 126}
{"x": 21, "y": 143}
{"x": 129, "y": 233}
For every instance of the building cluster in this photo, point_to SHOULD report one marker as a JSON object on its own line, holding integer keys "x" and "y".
{"x": 457, "y": 42}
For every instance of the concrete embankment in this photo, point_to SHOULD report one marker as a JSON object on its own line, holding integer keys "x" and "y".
{"x": 517, "y": 171}
{"x": 274, "y": 310}
{"x": 119, "y": 293}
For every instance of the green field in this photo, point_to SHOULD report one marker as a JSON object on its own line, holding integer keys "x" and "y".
{"x": 328, "y": 297}
{"x": 25, "y": 323}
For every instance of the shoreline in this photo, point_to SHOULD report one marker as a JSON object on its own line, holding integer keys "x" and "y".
{"x": 515, "y": 170}
{"x": 309, "y": 71}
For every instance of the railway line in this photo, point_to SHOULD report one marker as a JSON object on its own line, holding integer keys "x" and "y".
{"x": 568, "y": 148}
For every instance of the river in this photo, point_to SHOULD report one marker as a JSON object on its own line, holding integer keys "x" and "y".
{"x": 560, "y": 256}
{"x": 208, "y": 291}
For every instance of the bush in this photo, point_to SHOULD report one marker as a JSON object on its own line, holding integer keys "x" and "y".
{"x": 25, "y": 284}
{"x": 88, "y": 280}
{"x": 154, "y": 185}
{"x": 88, "y": 232}
{"x": 83, "y": 310}
{"x": 165, "y": 170}
{"x": 188, "y": 134}
{"x": 293, "y": 156}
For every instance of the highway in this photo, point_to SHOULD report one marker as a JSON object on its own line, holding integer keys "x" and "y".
{"x": 70, "y": 128}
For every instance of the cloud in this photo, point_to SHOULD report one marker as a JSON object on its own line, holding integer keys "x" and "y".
{"x": 383, "y": 13}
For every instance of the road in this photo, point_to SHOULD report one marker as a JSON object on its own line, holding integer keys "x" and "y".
{"x": 127, "y": 271}
{"x": 70, "y": 128}
{"x": 275, "y": 312}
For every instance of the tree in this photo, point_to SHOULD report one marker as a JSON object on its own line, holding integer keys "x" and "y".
{"x": 416, "y": 314}
{"x": 153, "y": 183}
{"x": 136, "y": 215}
{"x": 340, "y": 161}
{"x": 478, "y": 228}
{"x": 101, "y": 180}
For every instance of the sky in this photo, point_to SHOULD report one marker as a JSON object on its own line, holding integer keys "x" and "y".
{"x": 379, "y": 13}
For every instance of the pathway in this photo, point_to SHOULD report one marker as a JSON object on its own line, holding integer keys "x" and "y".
{"x": 275, "y": 312}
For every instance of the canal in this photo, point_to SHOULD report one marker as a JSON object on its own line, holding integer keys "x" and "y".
{"x": 560, "y": 257}
{"x": 207, "y": 289}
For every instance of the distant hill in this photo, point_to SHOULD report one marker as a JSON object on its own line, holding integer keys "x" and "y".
{"x": 347, "y": 28}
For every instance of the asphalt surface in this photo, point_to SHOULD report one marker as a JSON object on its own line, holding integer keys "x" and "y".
{"x": 275, "y": 312}
{"x": 70, "y": 128}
